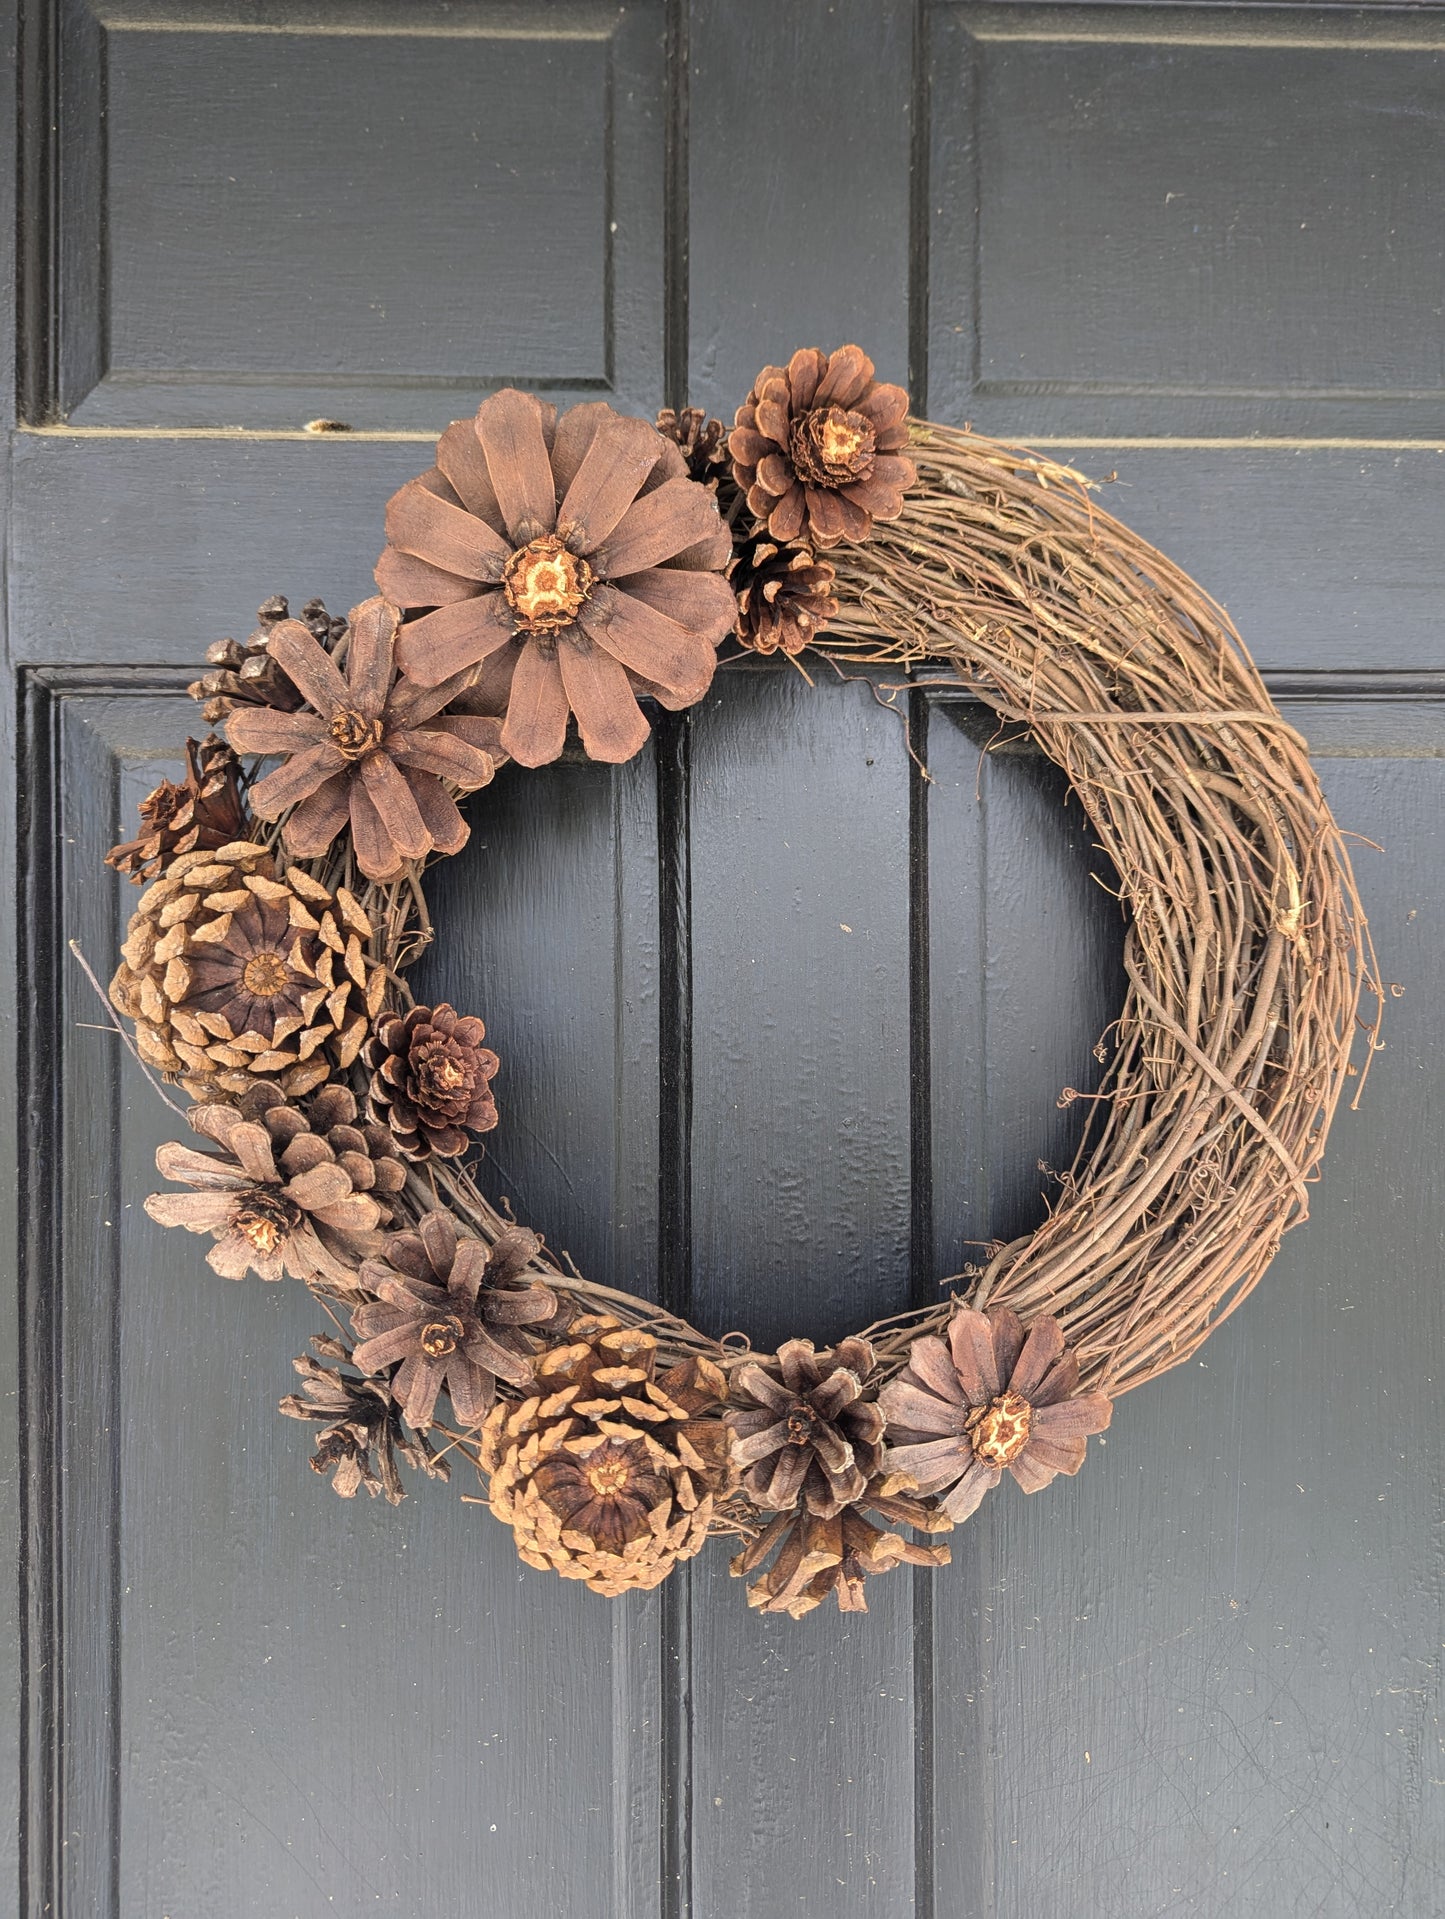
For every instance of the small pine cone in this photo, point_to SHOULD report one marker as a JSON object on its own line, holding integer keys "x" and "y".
{"x": 785, "y": 595}
{"x": 361, "y": 1431}
{"x": 281, "y": 1201}
{"x": 819, "y": 1555}
{"x": 703, "y": 440}
{"x": 246, "y": 675}
{"x": 451, "y": 1315}
{"x": 608, "y": 1473}
{"x": 817, "y": 448}
{"x": 233, "y": 975}
{"x": 326, "y": 1125}
{"x": 806, "y": 1429}
{"x": 431, "y": 1080}
{"x": 367, "y": 1151}
{"x": 205, "y": 811}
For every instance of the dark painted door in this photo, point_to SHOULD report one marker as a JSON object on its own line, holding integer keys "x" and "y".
{"x": 783, "y": 1023}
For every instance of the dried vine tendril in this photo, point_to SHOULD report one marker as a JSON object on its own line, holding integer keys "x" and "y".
{"x": 550, "y": 572}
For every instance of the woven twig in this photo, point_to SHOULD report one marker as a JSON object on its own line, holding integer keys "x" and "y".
{"x": 1247, "y": 953}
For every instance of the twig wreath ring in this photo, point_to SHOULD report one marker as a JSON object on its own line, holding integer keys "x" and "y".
{"x": 557, "y": 572}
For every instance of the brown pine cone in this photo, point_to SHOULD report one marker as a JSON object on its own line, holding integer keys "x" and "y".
{"x": 246, "y": 675}
{"x": 233, "y": 975}
{"x": 361, "y": 1430}
{"x": 703, "y": 441}
{"x": 818, "y": 448}
{"x": 431, "y": 1080}
{"x": 364, "y": 748}
{"x": 447, "y": 1315}
{"x": 281, "y": 1201}
{"x": 805, "y": 1428}
{"x": 607, "y": 1473}
{"x": 202, "y": 813}
{"x": 785, "y": 595}
{"x": 368, "y": 1152}
{"x": 559, "y": 556}
{"x": 989, "y": 1396}
{"x": 819, "y": 1556}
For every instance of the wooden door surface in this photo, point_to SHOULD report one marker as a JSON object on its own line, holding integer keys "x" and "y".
{"x": 783, "y": 1022}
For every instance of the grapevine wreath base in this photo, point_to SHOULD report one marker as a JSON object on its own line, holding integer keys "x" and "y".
{"x": 550, "y": 572}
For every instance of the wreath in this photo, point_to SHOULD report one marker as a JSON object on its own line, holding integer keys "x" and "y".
{"x": 550, "y": 572}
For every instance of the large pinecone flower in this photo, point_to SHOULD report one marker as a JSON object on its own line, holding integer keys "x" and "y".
{"x": 608, "y": 1473}
{"x": 805, "y": 1428}
{"x": 246, "y": 675}
{"x": 817, "y": 448}
{"x": 575, "y": 557}
{"x": 446, "y": 1314}
{"x": 987, "y": 1398}
{"x": 818, "y": 1556}
{"x": 201, "y": 814}
{"x": 280, "y": 1201}
{"x": 784, "y": 593}
{"x": 233, "y": 975}
{"x": 431, "y": 1080}
{"x": 361, "y": 1431}
{"x": 364, "y": 749}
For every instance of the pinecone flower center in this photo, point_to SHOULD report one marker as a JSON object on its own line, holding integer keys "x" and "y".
{"x": 803, "y": 1424}
{"x": 608, "y": 1477}
{"x": 442, "y": 1073}
{"x": 265, "y": 975}
{"x": 546, "y": 584}
{"x": 442, "y": 1336}
{"x": 353, "y": 735}
{"x": 831, "y": 447}
{"x": 265, "y": 1217}
{"x": 1000, "y": 1430}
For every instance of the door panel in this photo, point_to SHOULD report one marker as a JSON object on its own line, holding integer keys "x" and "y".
{"x": 282, "y": 213}
{"x": 1185, "y": 219}
{"x": 784, "y": 1023}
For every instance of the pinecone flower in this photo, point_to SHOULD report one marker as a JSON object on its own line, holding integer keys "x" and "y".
{"x": 574, "y": 560}
{"x": 232, "y": 975}
{"x": 246, "y": 675}
{"x": 805, "y": 1428}
{"x": 431, "y": 1080}
{"x": 985, "y": 1398}
{"x": 818, "y": 1556}
{"x": 271, "y": 1207}
{"x": 446, "y": 1314}
{"x": 703, "y": 441}
{"x": 364, "y": 749}
{"x": 361, "y": 1430}
{"x": 785, "y": 595}
{"x": 608, "y": 1473}
{"x": 368, "y": 1152}
{"x": 201, "y": 814}
{"x": 817, "y": 448}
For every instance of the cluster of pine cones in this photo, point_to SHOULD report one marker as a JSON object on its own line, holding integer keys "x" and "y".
{"x": 544, "y": 571}
{"x": 814, "y": 457}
